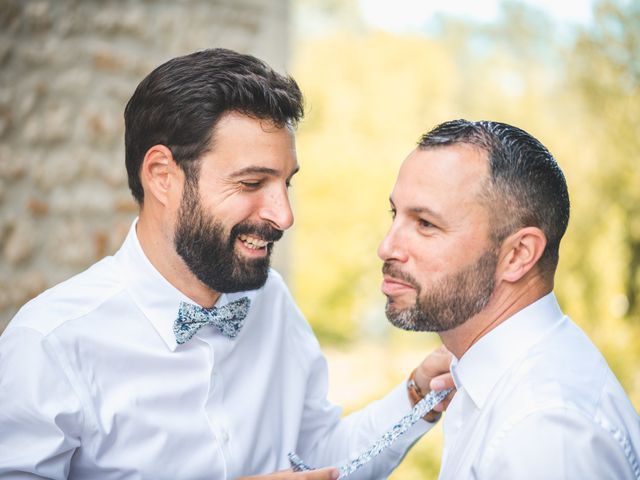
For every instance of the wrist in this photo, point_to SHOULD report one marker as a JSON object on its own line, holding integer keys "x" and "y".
{"x": 415, "y": 395}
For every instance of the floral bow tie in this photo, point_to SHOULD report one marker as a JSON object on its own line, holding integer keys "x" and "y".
{"x": 228, "y": 319}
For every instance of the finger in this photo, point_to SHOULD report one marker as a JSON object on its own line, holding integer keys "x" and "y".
{"x": 442, "y": 382}
{"x": 434, "y": 364}
{"x": 279, "y": 475}
{"x": 442, "y": 406}
{"x": 442, "y": 349}
{"x": 321, "y": 474}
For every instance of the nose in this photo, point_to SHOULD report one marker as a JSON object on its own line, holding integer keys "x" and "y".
{"x": 391, "y": 247}
{"x": 276, "y": 209}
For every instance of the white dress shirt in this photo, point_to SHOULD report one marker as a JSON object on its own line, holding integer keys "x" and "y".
{"x": 94, "y": 386}
{"x": 536, "y": 400}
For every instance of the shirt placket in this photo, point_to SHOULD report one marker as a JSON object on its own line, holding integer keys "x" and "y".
{"x": 215, "y": 407}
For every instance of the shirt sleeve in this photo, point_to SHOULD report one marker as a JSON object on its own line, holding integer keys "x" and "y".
{"x": 325, "y": 438}
{"x": 41, "y": 415}
{"x": 328, "y": 440}
{"x": 555, "y": 444}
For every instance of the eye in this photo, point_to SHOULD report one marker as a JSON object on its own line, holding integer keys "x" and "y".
{"x": 251, "y": 185}
{"x": 288, "y": 183}
{"x": 425, "y": 223}
{"x": 392, "y": 212}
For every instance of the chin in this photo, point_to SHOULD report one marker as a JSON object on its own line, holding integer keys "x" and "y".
{"x": 398, "y": 304}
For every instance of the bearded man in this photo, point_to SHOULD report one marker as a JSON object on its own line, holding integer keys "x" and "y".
{"x": 183, "y": 356}
{"x": 479, "y": 209}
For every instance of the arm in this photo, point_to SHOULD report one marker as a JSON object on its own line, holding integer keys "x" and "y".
{"x": 40, "y": 418}
{"x": 352, "y": 435}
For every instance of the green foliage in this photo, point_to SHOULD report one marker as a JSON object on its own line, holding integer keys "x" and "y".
{"x": 365, "y": 113}
{"x": 604, "y": 73}
{"x": 605, "y": 69}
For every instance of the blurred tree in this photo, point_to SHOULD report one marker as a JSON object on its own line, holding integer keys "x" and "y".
{"x": 605, "y": 68}
{"x": 369, "y": 98}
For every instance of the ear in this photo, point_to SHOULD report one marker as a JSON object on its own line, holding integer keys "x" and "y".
{"x": 158, "y": 174}
{"x": 521, "y": 252}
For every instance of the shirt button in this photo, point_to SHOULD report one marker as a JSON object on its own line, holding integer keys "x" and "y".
{"x": 225, "y": 436}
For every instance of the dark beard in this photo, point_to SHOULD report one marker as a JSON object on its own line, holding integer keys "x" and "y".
{"x": 456, "y": 298}
{"x": 210, "y": 254}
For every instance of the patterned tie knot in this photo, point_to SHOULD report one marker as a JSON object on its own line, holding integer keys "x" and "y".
{"x": 227, "y": 318}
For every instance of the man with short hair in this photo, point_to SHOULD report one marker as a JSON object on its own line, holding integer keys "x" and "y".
{"x": 183, "y": 356}
{"x": 479, "y": 209}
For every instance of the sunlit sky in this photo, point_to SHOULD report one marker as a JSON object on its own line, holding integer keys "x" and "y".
{"x": 402, "y": 15}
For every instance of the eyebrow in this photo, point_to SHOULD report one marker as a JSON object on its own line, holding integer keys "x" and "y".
{"x": 422, "y": 210}
{"x": 261, "y": 170}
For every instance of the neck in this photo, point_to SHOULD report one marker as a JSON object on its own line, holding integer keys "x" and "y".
{"x": 506, "y": 300}
{"x": 157, "y": 244}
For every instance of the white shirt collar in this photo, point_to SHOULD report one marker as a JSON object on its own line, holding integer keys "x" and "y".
{"x": 486, "y": 361}
{"x": 158, "y": 299}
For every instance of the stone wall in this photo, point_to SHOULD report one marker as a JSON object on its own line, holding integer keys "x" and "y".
{"x": 67, "y": 69}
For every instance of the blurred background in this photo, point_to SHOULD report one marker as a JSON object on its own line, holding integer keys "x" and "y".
{"x": 376, "y": 75}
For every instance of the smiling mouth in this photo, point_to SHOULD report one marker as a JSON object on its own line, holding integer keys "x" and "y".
{"x": 253, "y": 243}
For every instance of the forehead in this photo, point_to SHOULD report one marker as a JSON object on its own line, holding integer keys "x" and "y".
{"x": 444, "y": 177}
{"x": 240, "y": 141}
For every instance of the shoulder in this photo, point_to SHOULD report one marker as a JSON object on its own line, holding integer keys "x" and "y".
{"x": 562, "y": 397}
{"x": 274, "y": 301}
{"x": 568, "y": 440}
{"x": 275, "y": 284}
{"x": 70, "y": 299}
{"x": 275, "y": 295}
{"x": 565, "y": 368}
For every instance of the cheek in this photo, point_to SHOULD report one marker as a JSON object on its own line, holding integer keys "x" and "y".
{"x": 434, "y": 262}
{"x": 232, "y": 211}
{"x": 428, "y": 269}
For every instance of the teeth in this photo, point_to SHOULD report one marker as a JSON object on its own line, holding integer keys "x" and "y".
{"x": 253, "y": 242}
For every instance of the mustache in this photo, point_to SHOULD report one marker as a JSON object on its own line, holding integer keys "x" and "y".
{"x": 391, "y": 269}
{"x": 263, "y": 231}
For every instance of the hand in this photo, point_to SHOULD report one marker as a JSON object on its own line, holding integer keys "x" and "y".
{"x": 433, "y": 374}
{"x": 320, "y": 474}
